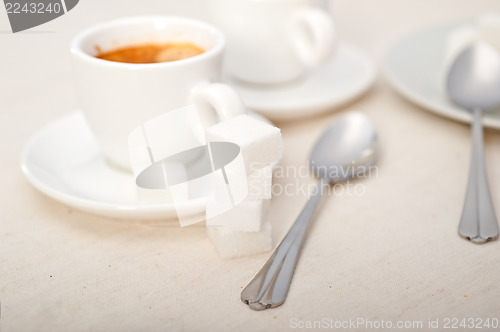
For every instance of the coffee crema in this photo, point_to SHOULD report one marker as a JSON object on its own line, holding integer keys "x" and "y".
{"x": 151, "y": 53}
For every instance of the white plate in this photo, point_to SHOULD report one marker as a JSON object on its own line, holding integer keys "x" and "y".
{"x": 63, "y": 161}
{"x": 346, "y": 76}
{"x": 414, "y": 67}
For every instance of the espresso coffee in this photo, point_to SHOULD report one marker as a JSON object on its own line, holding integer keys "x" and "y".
{"x": 152, "y": 53}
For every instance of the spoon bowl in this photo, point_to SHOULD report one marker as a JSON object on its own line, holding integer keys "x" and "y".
{"x": 345, "y": 149}
{"x": 473, "y": 81}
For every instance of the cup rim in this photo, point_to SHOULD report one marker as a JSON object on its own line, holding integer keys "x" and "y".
{"x": 76, "y": 43}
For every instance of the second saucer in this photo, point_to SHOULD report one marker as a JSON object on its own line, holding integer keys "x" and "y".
{"x": 345, "y": 77}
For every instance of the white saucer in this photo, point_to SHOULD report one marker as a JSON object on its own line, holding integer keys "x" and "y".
{"x": 63, "y": 161}
{"x": 414, "y": 67}
{"x": 349, "y": 74}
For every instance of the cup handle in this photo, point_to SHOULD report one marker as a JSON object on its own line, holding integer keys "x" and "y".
{"x": 216, "y": 102}
{"x": 313, "y": 36}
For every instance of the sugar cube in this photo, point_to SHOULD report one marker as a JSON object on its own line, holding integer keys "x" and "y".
{"x": 247, "y": 216}
{"x": 488, "y": 29}
{"x": 457, "y": 40}
{"x": 260, "y": 143}
{"x": 260, "y": 183}
{"x": 230, "y": 243}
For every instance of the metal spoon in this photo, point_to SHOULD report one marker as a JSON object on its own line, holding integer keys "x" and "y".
{"x": 345, "y": 150}
{"x": 474, "y": 83}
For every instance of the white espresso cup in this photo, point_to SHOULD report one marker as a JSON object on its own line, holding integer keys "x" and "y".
{"x": 117, "y": 97}
{"x": 274, "y": 41}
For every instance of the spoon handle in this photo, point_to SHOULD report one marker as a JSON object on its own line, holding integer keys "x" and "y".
{"x": 269, "y": 287}
{"x": 478, "y": 222}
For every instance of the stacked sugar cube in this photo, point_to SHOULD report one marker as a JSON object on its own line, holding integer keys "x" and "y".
{"x": 244, "y": 230}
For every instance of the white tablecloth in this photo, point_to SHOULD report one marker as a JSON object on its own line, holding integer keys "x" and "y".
{"x": 391, "y": 254}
